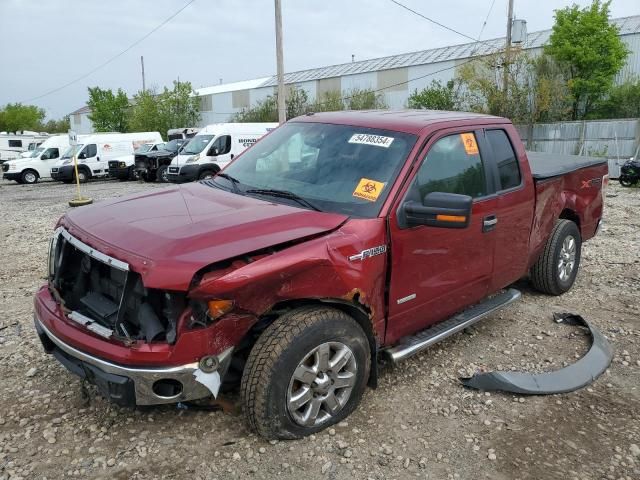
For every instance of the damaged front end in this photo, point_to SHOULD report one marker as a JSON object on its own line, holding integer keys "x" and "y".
{"x": 139, "y": 360}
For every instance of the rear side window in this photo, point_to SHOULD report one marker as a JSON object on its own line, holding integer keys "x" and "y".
{"x": 453, "y": 165}
{"x": 506, "y": 159}
{"x": 15, "y": 143}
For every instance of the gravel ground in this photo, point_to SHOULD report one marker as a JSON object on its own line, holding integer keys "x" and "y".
{"x": 419, "y": 423}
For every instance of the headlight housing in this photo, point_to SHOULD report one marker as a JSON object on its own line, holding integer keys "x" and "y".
{"x": 204, "y": 313}
{"x": 66, "y": 162}
{"x": 193, "y": 158}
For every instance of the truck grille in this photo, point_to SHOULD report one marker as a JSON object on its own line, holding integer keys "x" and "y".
{"x": 105, "y": 296}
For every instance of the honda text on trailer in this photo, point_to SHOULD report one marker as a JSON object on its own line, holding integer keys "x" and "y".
{"x": 95, "y": 151}
{"x": 38, "y": 165}
{"x": 336, "y": 239}
{"x": 213, "y": 148}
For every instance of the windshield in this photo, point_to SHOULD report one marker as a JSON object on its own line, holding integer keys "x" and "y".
{"x": 36, "y": 152}
{"x": 197, "y": 144}
{"x": 338, "y": 168}
{"x": 173, "y": 145}
{"x": 145, "y": 147}
{"x": 73, "y": 150}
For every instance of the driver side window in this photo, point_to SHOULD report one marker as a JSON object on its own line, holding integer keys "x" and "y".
{"x": 90, "y": 150}
{"x": 222, "y": 144}
{"x": 50, "y": 154}
{"x": 453, "y": 165}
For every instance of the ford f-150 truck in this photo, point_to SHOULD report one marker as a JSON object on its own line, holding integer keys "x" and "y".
{"x": 336, "y": 239}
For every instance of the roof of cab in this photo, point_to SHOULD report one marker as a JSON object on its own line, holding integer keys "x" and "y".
{"x": 409, "y": 121}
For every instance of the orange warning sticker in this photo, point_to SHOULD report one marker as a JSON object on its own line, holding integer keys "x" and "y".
{"x": 368, "y": 189}
{"x": 469, "y": 142}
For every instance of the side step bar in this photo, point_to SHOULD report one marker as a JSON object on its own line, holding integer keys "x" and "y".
{"x": 416, "y": 343}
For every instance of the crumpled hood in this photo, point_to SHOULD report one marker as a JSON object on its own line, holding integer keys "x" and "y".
{"x": 170, "y": 234}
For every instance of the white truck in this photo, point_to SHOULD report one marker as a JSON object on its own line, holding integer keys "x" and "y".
{"x": 38, "y": 165}
{"x": 13, "y": 145}
{"x": 213, "y": 148}
{"x": 94, "y": 152}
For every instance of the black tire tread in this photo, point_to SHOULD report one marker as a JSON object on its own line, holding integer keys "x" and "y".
{"x": 266, "y": 351}
{"x": 543, "y": 275}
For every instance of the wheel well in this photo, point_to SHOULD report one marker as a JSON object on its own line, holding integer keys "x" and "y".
{"x": 354, "y": 309}
{"x": 568, "y": 214}
{"x": 31, "y": 170}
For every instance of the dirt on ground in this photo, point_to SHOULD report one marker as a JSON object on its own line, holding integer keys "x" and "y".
{"x": 420, "y": 422}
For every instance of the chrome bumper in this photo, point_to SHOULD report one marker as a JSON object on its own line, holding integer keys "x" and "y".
{"x": 195, "y": 383}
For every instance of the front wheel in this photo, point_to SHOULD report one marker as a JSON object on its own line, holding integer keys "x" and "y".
{"x": 555, "y": 271}
{"x": 626, "y": 181}
{"x": 29, "y": 177}
{"x": 161, "y": 174}
{"x": 82, "y": 176}
{"x": 307, "y": 371}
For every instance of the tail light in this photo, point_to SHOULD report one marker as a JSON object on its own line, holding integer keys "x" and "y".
{"x": 605, "y": 181}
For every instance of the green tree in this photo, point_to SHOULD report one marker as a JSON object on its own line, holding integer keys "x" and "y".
{"x": 623, "y": 101}
{"x": 263, "y": 111}
{"x": 109, "y": 111}
{"x": 364, "y": 99}
{"x": 437, "y": 96}
{"x": 586, "y": 43}
{"x": 179, "y": 107}
{"x": 56, "y": 126}
{"x": 144, "y": 115}
{"x": 15, "y": 116}
{"x": 330, "y": 101}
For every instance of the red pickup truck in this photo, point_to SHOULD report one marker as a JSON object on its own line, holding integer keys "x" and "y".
{"x": 336, "y": 239}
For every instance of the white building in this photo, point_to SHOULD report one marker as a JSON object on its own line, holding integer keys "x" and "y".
{"x": 79, "y": 121}
{"x": 395, "y": 77}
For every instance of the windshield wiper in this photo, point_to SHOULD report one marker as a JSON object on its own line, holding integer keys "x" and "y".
{"x": 285, "y": 194}
{"x": 234, "y": 181}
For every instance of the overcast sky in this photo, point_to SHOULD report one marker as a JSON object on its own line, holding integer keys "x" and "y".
{"x": 47, "y": 43}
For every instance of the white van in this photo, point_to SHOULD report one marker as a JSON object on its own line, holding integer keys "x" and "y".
{"x": 213, "y": 148}
{"x": 94, "y": 152}
{"x": 39, "y": 163}
{"x": 13, "y": 145}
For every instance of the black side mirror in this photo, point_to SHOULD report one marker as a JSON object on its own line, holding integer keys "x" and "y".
{"x": 82, "y": 156}
{"x": 439, "y": 209}
{"x": 213, "y": 152}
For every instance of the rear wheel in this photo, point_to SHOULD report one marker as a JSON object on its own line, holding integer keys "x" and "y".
{"x": 29, "y": 177}
{"x": 626, "y": 181}
{"x": 307, "y": 371}
{"x": 161, "y": 174}
{"x": 555, "y": 271}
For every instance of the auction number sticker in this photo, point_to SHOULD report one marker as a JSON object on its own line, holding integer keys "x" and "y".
{"x": 368, "y": 189}
{"x": 375, "y": 140}
{"x": 469, "y": 142}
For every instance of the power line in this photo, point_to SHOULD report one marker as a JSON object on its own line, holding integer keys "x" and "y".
{"x": 107, "y": 62}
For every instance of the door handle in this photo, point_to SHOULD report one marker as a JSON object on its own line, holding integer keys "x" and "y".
{"x": 489, "y": 223}
{"x": 232, "y": 156}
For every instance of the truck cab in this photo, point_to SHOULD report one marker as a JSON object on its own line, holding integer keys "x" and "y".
{"x": 213, "y": 148}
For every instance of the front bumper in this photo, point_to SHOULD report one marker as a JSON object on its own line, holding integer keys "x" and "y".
{"x": 130, "y": 386}
{"x": 62, "y": 173}
{"x": 185, "y": 173}
{"x": 118, "y": 172}
{"x": 12, "y": 176}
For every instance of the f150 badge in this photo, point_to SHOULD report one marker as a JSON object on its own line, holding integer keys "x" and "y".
{"x": 369, "y": 252}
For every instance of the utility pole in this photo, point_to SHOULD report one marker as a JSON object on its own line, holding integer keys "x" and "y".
{"x": 142, "y": 64}
{"x": 282, "y": 112}
{"x": 507, "y": 51}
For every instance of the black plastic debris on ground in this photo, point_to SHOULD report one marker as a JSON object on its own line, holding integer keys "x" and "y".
{"x": 568, "y": 379}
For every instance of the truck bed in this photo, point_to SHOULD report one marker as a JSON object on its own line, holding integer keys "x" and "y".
{"x": 548, "y": 165}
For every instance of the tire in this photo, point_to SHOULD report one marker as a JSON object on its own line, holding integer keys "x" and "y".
{"x": 83, "y": 177}
{"x": 626, "y": 181}
{"x": 161, "y": 174}
{"x": 555, "y": 271}
{"x": 268, "y": 386}
{"x": 29, "y": 177}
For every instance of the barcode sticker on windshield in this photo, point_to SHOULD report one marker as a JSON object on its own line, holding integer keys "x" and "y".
{"x": 375, "y": 140}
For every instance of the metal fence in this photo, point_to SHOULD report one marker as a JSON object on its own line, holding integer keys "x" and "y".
{"x": 616, "y": 140}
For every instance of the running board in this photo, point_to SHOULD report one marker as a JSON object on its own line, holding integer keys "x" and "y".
{"x": 416, "y": 343}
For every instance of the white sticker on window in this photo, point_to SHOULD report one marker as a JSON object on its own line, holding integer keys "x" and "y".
{"x": 376, "y": 140}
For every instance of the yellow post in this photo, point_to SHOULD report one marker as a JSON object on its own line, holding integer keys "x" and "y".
{"x": 75, "y": 167}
